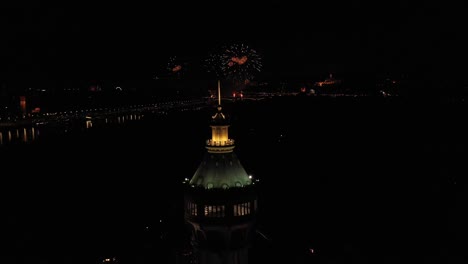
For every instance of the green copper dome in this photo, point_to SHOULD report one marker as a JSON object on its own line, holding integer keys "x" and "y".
{"x": 220, "y": 170}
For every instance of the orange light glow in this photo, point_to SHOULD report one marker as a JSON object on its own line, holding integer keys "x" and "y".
{"x": 25, "y": 135}
{"x": 177, "y": 68}
{"x": 240, "y": 60}
{"x": 23, "y": 104}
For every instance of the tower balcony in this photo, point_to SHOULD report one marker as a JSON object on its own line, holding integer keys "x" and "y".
{"x": 219, "y": 143}
{"x": 233, "y": 207}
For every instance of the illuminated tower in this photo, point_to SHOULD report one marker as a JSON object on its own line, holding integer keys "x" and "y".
{"x": 220, "y": 201}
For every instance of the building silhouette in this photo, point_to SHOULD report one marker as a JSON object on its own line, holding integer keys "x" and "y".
{"x": 220, "y": 201}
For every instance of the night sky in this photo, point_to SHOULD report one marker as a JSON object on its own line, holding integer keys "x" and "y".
{"x": 296, "y": 40}
{"x": 73, "y": 45}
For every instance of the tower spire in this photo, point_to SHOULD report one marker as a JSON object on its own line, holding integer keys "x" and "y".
{"x": 219, "y": 92}
{"x": 220, "y": 141}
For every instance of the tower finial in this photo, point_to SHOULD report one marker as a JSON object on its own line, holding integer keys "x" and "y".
{"x": 219, "y": 92}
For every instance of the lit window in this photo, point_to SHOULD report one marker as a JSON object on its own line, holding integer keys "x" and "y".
{"x": 192, "y": 208}
{"x": 242, "y": 209}
{"x": 214, "y": 210}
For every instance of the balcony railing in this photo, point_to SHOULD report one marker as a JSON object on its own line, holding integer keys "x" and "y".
{"x": 217, "y": 143}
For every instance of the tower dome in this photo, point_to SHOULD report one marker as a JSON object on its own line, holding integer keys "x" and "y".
{"x": 220, "y": 167}
{"x": 220, "y": 201}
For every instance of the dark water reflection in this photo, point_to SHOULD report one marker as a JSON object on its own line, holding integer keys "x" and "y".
{"x": 24, "y": 134}
{"x": 357, "y": 181}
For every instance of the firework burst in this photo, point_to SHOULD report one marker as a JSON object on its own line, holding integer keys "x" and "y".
{"x": 213, "y": 65}
{"x": 237, "y": 62}
{"x": 175, "y": 67}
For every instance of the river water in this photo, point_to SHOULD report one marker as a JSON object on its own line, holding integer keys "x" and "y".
{"x": 341, "y": 181}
